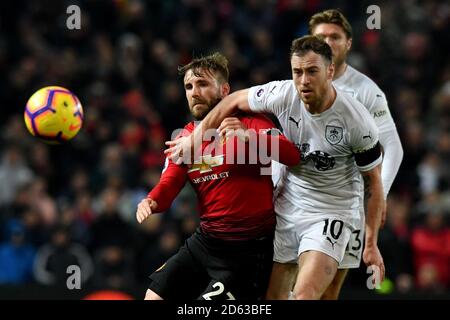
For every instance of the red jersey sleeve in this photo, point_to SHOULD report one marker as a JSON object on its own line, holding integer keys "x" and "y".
{"x": 173, "y": 179}
{"x": 287, "y": 152}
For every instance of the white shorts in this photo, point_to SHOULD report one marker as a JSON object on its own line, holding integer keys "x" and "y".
{"x": 298, "y": 231}
{"x": 353, "y": 252}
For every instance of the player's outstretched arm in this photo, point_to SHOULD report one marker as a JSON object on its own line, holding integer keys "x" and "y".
{"x": 373, "y": 206}
{"x": 272, "y": 142}
{"x": 237, "y": 101}
{"x": 226, "y": 107}
{"x": 160, "y": 198}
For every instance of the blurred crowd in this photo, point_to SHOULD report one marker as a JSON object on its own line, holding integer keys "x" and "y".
{"x": 75, "y": 204}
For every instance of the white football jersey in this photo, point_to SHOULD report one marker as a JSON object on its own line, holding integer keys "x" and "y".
{"x": 327, "y": 178}
{"x": 363, "y": 89}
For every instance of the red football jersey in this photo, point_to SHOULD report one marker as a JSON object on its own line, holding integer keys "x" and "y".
{"x": 235, "y": 200}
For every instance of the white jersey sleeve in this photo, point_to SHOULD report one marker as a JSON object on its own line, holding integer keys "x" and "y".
{"x": 364, "y": 142}
{"x": 375, "y": 100}
{"x": 272, "y": 97}
{"x": 393, "y": 156}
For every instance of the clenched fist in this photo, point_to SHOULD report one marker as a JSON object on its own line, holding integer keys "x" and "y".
{"x": 232, "y": 126}
{"x": 145, "y": 208}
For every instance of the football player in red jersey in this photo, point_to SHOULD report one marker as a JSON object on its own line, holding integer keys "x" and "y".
{"x": 230, "y": 254}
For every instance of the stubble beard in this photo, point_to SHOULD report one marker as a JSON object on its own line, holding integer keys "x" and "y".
{"x": 202, "y": 113}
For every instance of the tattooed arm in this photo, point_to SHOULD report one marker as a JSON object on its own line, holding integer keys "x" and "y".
{"x": 373, "y": 203}
{"x": 373, "y": 207}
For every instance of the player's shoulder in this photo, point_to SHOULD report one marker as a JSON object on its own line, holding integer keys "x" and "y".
{"x": 188, "y": 128}
{"x": 362, "y": 82}
{"x": 277, "y": 96}
{"x": 284, "y": 90}
{"x": 350, "y": 108}
{"x": 345, "y": 101}
{"x": 278, "y": 86}
{"x": 283, "y": 83}
{"x": 288, "y": 85}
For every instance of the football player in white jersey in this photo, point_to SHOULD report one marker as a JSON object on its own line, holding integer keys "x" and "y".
{"x": 337, "y": 32}
{"x": 318, "y": 206}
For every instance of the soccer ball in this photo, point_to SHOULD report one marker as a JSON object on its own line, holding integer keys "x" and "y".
{"x": 54, "y": 115}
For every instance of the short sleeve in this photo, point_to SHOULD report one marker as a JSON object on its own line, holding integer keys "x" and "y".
{"x": 272, "y": 97}
{"x": 365, "y": 144}
{"x": 375, "y": 100}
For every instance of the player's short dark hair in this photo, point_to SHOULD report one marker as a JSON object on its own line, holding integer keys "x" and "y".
{"x": 333, "y": 16}
{"x": 216, "y": 63}
{"x": 303, "y": 45}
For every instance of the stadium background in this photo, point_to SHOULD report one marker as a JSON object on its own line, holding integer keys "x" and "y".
{"x": 75, "y": 203}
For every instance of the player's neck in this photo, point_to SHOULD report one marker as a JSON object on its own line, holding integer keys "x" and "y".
{"x": 340, "y": 70}
{"x": 325, "y": 103}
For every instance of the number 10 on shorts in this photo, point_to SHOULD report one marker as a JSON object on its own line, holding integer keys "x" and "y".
{"x": 333, "y": 228}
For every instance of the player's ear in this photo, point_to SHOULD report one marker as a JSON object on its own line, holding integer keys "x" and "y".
{"x": 349, "y": 43}
{"x": 330, "y": 71}
{"x": 225, "y": 89}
